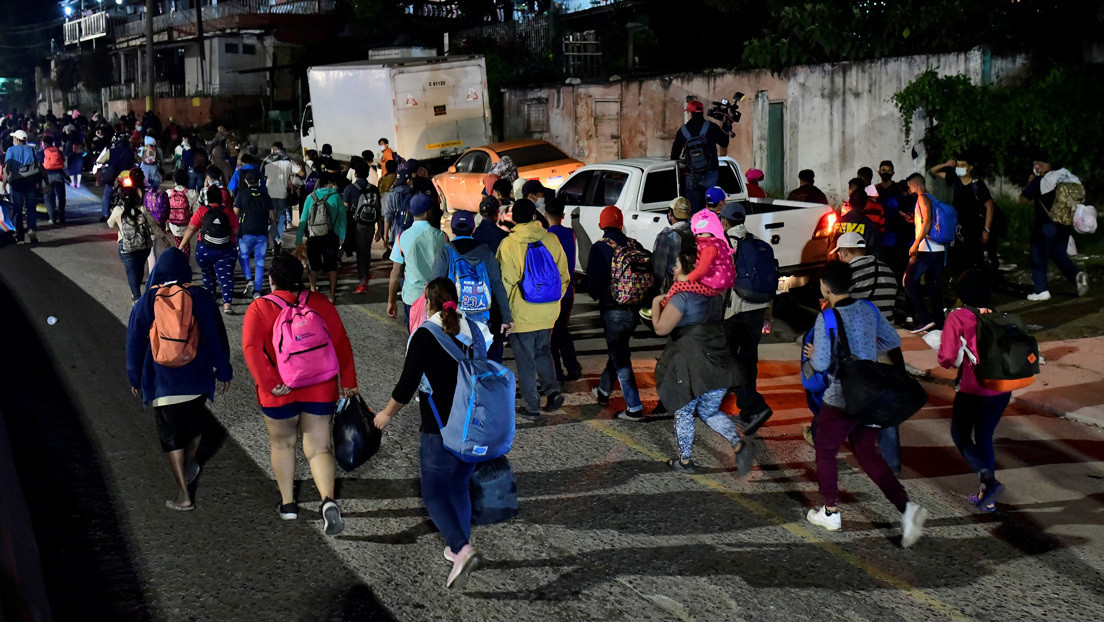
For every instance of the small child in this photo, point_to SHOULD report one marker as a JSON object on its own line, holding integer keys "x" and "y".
{"x": 715, "y": 271}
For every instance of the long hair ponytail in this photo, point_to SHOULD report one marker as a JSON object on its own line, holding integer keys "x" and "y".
{"x": 440, "y": 294}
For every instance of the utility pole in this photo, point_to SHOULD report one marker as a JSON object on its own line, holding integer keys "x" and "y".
{"x": 202, "y": 47}
{"x": 149, "y": 56}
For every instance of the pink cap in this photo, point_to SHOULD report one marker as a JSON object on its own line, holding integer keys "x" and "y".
{"x": 755, "y": 174}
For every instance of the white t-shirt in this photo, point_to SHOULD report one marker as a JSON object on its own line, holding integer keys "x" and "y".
{"x": 278, "y": 173}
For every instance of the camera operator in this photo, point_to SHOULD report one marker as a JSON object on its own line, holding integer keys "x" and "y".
{"x": 698, "y": 143}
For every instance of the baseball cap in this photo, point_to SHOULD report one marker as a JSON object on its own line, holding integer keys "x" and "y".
{"x": 420, "y": 204}
{"x": 714, "y": 195}
{"x": 533, "y": 186}
{"x": 851, "y": 239}
{"x": 402, "y": 177}
{"x": 488, "y": 206}
{"x": 734, "y": 211}
{"x": 523, "y": 211}
{"x": 695, "y": 106}
{"x": 20, "y": 134}
{"x": 680, "y": 207}
{"x": 611, "y": 216}
{"x": 251, "y": 176}
{"x": 463, "y": 222}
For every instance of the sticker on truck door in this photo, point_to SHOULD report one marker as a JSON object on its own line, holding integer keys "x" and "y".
{"x": 451, "y": 143}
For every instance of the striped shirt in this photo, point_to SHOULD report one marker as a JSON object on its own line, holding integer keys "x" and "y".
{"x": 874, "y": 281}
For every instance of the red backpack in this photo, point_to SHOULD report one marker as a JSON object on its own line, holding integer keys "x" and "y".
{"x": 52, "y": 160}
{"x": 180, "y": 209}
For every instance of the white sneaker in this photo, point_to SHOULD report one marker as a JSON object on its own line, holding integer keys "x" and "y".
{"x": 1041, "y": 296}
{"x": 821, "y": 518}
{"x": 912, "y": 524}
{"x": 1082, "y": 283}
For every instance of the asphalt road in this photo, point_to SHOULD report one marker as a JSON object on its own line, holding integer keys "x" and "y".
{"x": 606, "y": 530}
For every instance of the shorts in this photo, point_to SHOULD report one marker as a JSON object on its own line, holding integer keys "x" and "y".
{"x": 179, "y": 424}
{"x": 323, "y": 253}
{"x": 287, "y": 411}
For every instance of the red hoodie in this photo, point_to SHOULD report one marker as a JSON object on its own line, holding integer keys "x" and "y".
{"x": 962, "y": 323}
{"x": 260, "y": 356}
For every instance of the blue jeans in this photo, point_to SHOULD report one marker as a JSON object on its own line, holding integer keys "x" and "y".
{"x": 153, "y": 175}
{"x": 445, "y": 492}
{"x": 696, "y": 185}
{"x": 930, "y": 264}
{"x": 256, "y": 245}
{"x": 195, "y": 180}
{"x": 1048, "y": 243}
{"x": 24, "y": 200}
{"x": 618, "y": 325}
{"x": 134, "y": 264}
{"x": 276, "y": 229}
{"x": 973, "y": 421}
{"x": 533, "y": 355}
{"x": 55, "y": 200}
{"x": 889, "y": 445}
{"x": 109, "y": 190}
{"x": 708, "y": 407}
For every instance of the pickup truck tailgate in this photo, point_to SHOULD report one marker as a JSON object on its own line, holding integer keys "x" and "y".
{"x": 789, "y": 227}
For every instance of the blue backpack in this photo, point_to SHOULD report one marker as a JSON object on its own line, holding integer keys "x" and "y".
{"x": 540, "y": 280}
{"x": 473, "y": 284}
{"x": 816, "y": 382}
{"x": 756, "y": 270}
{"x": 481, "y": 422}
{"x": 944, "y": 222}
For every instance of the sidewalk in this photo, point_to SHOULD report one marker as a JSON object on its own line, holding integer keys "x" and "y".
{"x": 1070, "y": 382}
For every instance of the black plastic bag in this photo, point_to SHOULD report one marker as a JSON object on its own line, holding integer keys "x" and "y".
{"x": 493, "y": 492}
{"x": 355, "y": 438}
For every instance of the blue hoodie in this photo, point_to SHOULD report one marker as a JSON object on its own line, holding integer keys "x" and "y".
{"x": 239, "y": 176}
{"x": 212, "y": 360}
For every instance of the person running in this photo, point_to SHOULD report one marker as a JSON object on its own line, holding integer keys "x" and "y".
{"x": 618, "y": 320}
{"x": 696, "y": 368}
{"x": 533, "y": 321}
{"x": 563, "y": 344}
{"x": 445, "y": 478}
{"x": 182, "y": 204}
{"x": 365, "y": 207}
{"x": 253, "y": 208}
{"x": 925, "y": 262}
{"x": 868, "y": 334}
{"x": 137, "y": 231}
{"x": 216, "y": 248}
{"x": 177, "y": 392}
{"x": 412, "y": 258}
{"x": 977, "y": 410}
{"x": 323, "y": 220}
{"x": 307, "y": 409}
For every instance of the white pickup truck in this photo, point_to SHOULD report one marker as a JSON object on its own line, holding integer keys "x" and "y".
{"x": 645, "y": 187}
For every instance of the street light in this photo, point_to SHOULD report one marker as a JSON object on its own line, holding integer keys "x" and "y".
{"x": 68, "y": 11}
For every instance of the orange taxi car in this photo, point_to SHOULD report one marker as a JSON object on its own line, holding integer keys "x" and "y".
{"x": 462, "y": 186}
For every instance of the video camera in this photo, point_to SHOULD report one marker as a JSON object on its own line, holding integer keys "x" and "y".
{"x": 727, "y": 112}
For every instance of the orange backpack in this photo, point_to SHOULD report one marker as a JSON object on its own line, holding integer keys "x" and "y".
{"x": 52, "y": 160}
{"x": 174, "y": 336}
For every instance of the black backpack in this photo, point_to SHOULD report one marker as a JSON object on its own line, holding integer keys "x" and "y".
{"x": 697, "y": 157}
{"x": 1008, "y": 358}
{"x": 756, "y": 270}
{"x": 254, "y": 212}
{"x": 368, "y": 208}
{"x": 216, "y": 231}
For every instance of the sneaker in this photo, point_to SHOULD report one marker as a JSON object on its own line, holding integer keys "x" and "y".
{"x": 630, "y": 415}
{"x": 750, "y": 425}
{"x": 1007, "y": 267}
{"x": 554, "y": 401}
{"x": 467, "y": 561}
{"x": 228, "y": 310}
{"x": 1082, "y": 283}
{"x": 659, "y": 409}
{"x": 807, "y": 434}
{"x": 920, "y": 328}
{"x": 528, "y": 415}
{"x": 288, "y": 511}
{"x": 912, "y": 524}
{"x": 248, "y": 289}
{"x": 992, "y": 491}
{"x": 1041, "y": 296}
{"x": 679, "y": 465}
{"x": 363, "y": 287}
{"x": 745, "y": 458}
{"x": 32, "y": 238}
{"x": 822, "y": 519}
{"x": 603, "y": 398}
{"x": 331, "y": 518}
{"x": 572, "y": 376}
{"x": 257, "y": 295}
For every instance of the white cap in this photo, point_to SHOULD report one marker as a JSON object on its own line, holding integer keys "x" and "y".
{"x": 851, "y": 239}
{"x": 20, "y": 134}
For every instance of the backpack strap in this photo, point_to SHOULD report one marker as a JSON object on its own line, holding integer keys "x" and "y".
{"x": 685, "y": 132}
{"x": 705, "y": 129}
{"x": 844, "y": 345}
{"x": 446, "y": 341}
{"x": 277, "y": 300}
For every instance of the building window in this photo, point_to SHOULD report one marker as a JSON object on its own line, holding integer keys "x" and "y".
{"x": 249, "y": 48}
{"x": 231, "y": 48}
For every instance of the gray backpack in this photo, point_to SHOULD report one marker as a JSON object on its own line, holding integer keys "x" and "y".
{"x": 136, "y": 234}
{"x": 319, "y": 222}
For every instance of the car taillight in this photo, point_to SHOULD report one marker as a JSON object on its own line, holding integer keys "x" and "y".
{"x": 825, "y": 226}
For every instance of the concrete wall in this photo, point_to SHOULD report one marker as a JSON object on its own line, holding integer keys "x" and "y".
{"x": 838, "y": 117}
{"x": 186, "y": 111}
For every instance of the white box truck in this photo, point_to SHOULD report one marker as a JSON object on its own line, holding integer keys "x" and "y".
{"x": 426, "y": 107}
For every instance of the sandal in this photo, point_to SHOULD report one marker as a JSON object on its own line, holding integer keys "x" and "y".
{"x": 173, "y": 505}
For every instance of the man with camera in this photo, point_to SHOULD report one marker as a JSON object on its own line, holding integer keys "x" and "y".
{"x": 698, "y": 144}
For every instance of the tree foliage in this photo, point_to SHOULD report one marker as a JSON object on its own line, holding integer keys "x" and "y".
{"x": 1056, "y": 111}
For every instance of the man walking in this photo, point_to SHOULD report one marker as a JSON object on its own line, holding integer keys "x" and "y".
{"x": 53, "y": 167}
{"x": 976, "y": 213}
{"x": 22, "y": 174}
{"x": 488, "y": 232}
{"x": 413, "y": 256}
{"x": 925, "y": 262}
{"x": 563, "y": 344}
{"x": 534, "y": 272}
{"x": 1049, "y": 239}
{"x": 254, "y": 211}
{"x": 323, "y": 219}
{"x": 362, "y": 203}
{"x": 668, "y": 243}
{"x": 278, "y": 172}
{"x": 618, "y": 320}
{"x": 698, "y": 143}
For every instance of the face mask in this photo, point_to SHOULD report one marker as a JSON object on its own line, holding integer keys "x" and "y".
{"x": 960, "y": 171}
{"x": 885, "y": 176}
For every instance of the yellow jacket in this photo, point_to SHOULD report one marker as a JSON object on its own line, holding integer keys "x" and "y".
{"x": 528, "y": 316}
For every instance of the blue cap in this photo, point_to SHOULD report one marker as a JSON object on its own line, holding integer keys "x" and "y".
{"x": 420, "y": 204}
{"x": 714, "y": 195}
{"x": 463, "y": 222}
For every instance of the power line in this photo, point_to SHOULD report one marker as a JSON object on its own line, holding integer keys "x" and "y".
{"x": 32, "y": 27}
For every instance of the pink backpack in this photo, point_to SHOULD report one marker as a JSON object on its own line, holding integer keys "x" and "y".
{"x": 305, "y": 353}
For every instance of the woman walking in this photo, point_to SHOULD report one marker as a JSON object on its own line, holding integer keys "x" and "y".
{"x": 977, "y": 410}
{"x": 216, "y": 251}
{"x": 305, "y": 408}
{"x": 445, "y": 477}
{"x": 137, "y": 229}
{"x": 696, "y": 367}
